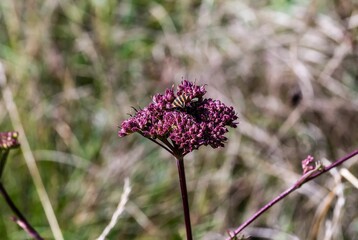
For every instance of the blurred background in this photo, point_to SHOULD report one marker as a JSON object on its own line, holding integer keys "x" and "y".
{"x": 75, "y": 69}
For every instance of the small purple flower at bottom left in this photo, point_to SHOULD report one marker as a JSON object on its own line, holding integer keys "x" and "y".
{"x": 9, "y": 140}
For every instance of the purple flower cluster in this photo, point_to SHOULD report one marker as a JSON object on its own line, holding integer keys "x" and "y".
{"x": 201, "y": 122}
{"x": 8, "y": 140}
{"x": 308, "y": 164}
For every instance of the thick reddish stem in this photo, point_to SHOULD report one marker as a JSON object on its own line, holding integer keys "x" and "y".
{"x": 184, "y": 196}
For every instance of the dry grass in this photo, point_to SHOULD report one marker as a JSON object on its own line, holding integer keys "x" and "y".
{"x": 76, "y": 67}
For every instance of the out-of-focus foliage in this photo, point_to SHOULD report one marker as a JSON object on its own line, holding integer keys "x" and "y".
{"x": 75, "y": 68}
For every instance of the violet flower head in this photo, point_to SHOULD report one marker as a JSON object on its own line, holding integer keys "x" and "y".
{"x": 308, "y": 164}
{"x": 201, "y": 121}
{"x": 9, "y": 140}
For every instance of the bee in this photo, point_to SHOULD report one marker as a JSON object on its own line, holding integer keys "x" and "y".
{"x": 181, "y": 101}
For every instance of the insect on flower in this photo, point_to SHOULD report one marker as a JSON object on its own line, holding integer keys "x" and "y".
{"x": 182, "y": 101}
{"x": 185, "y": 118}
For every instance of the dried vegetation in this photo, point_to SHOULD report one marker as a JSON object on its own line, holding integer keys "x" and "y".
{"x": 290, "y": 70}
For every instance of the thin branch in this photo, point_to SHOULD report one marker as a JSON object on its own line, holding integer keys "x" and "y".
{"x": 119, "y": 210}
{"x": 19, "y": 219}
{"x": 156, "y": 142}
{"x": 167, "y": 143}
{"x": 162, "y": 145}
{"x": 305, "y": 178}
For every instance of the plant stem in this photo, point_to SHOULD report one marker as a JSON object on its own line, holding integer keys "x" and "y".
{"x": 305, "y": 178}
{"x": 3, "y": 157}
{"x": 166, "y": 146}
{"x": 184, "y": 196}
{"x": 20, "y": 219}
